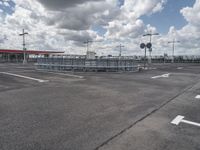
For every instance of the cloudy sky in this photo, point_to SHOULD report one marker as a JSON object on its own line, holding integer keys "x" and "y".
{"x": 67, "y": 24}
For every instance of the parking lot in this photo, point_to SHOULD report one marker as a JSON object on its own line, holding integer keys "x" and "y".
{"x": 42, "y": 110}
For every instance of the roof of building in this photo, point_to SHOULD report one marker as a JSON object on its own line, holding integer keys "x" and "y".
{"x": 29, "y": 51}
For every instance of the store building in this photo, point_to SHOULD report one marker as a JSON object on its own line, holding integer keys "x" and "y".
{"x": 12, "y": 55}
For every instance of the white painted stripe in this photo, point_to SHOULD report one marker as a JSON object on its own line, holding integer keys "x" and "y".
{"x": 155, "y": 77}
{"x": 25, "y": 77}
{"x": 197, "y": 97}
{"x": 191, "y": 123}
{"x": 161, "y": 76}
{"x": 179, "y": 68}
{"x": 24, "y": 68}
{"x": 64, "y": 74}
{"x": 180, "y": 119}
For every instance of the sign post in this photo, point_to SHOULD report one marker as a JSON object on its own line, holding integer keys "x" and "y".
{"x": 145, "y": 46}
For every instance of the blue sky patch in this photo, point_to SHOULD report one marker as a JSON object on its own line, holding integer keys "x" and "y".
{"x": 170, "y": 16}
{"x": 7, "y": 7}
{"x": 120, "y": 3}
{"x": 100, "y": 30}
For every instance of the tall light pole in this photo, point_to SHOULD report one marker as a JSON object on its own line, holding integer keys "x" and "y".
{"x": 173, "y": 47}
{"x": 24, "y": 45}
{"x": 87, "y": 42}
{"x": 150, "y": 39}
{"x": 120, "y": 48}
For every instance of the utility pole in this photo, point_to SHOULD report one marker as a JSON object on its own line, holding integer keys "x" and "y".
{"x": 87, "y": 42}
{"x": 173, "y": 47}
{"x": 150, "y": 34}
{"x": 120, "y": 48}
{"x": 24, "y": 45}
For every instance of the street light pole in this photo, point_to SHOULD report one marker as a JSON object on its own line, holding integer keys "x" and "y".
{"x": 120, "y": 48}
{"x": 24, "y": 45}
{"x": 150, "y": 39}
{"x": 173, "y": 48}
{"x": 87, "y": 42}
{"x": 145, "y": 57}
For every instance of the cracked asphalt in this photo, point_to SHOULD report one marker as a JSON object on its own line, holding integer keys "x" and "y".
{"x": 105, "y": 111}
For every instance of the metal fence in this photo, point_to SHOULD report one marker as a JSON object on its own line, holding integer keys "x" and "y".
{"x": 178, "y": 59}
{"x": 83, "y": 64}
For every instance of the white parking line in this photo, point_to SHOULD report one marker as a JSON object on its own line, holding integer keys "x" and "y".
{"x": 25, "y": 77}
{"x": 179, "y": 68}
{"x": 197, "y": 97}
{"x": 22, "y": 67}
{"x": 180, "y": 119}
{"x": 161, "y": 76}
{"x": 64, "y": 74}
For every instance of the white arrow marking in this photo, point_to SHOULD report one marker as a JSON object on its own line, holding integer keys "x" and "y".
{"x": 180, "y": 119}
{"x": 161, "y": 76}
{"x": 25, "y": 77}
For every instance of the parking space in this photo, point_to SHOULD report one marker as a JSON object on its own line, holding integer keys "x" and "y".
{"x": 165, "y": 129}
{"x": 19, "y": 75}
{"x": 9, "y": 82}
{"x": 91, "y": 111}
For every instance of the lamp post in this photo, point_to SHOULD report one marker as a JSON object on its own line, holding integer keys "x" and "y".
{"x": 24, "y": 45}
{"x": 150, "y": 40}
{"x": 120, "y": 48}
{"x": 173, "y": 48}
{"x": 87, "y": 43}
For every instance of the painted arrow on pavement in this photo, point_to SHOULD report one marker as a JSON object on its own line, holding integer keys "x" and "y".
{"x": 180, "y": 119}
{"x": 161, "y": 76}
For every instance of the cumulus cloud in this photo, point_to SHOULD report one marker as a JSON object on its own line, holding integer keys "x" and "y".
{"x": 116, "y": 29}
{"x": 32, "y": 16}
{"x": 63, "y": 4}
{"x": 136, "y": 8}
{"x": 66, "y": 24}
{"x": 82, "y": 16}
{"x": 128, "y": 25}
{"x": 192, "y": 14}
{"x": 189, "y": 35}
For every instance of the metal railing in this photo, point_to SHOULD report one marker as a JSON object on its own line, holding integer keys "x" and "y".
{"x": 83, "y": 64}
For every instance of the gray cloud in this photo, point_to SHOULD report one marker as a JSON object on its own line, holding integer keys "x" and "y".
{"x": 3, "y": 39}
{"x": 62, "y": 4}
{"x": 83, "y": 16}
{"x": 77, "y": 37}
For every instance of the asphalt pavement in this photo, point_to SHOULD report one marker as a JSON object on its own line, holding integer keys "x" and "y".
{"x": 42, "y": 110}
